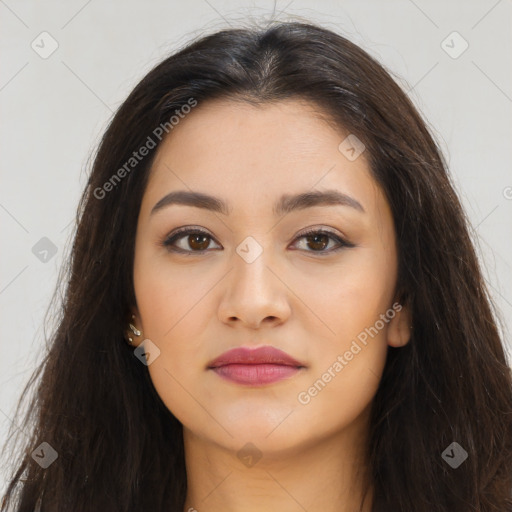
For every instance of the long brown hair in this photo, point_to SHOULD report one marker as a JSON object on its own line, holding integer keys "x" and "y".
{"x": 120, "y": 449}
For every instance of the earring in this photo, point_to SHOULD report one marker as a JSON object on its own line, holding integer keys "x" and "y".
{"x": 135, "y": 331}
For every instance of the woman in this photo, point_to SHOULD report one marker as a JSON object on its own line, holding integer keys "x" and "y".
{"x": 273, "y": 302}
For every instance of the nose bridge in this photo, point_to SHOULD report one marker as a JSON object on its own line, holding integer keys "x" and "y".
{"x": 250, "y": 261}
{"x": 253, "y": 291}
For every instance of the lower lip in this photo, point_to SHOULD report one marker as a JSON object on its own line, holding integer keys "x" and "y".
{"x": 255, "y": 374}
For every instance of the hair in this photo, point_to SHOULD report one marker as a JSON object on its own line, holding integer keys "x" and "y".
{"x": 119, "y": 447}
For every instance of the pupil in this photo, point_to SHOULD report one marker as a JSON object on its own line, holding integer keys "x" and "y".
{"x": 322, "y": 243}
{"x": 195, "y": 238}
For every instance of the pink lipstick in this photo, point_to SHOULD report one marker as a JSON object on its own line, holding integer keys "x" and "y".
{"x": 255, "y": 367}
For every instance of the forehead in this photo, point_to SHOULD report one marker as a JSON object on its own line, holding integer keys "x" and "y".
{"x": 247, "y": 154}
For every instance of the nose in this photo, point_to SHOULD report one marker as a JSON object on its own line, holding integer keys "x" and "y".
{"x": 254, "y": 294}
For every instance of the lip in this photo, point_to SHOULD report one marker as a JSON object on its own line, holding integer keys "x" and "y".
{"x": 255, "y": 366}
{"x": 259, "y": 355}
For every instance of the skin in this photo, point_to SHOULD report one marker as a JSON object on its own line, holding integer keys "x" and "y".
{"x": 308, "y": 303}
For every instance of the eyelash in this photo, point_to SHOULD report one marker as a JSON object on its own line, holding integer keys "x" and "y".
{"x": 182, "y": 232}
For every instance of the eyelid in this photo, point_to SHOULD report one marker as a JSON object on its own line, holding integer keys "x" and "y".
{"x": 323, "y": 230}
{"x": 180, "y": 233}
{"x": 342, "y": 240}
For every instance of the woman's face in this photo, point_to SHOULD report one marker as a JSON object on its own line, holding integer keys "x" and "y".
{"x": 252, "y": 278}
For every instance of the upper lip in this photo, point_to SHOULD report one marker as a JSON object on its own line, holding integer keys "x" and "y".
{"x": 260, "y": 355}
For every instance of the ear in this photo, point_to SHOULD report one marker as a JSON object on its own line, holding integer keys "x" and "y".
{"x": 400, "y": 326}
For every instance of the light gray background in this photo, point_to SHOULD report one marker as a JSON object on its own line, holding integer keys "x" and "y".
{"x": 54, "y": 110}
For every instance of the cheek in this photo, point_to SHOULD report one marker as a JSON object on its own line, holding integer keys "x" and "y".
{"x": 358, "y": 301}
{"x": 349, "y": 361}
{"x": 351, "y": 296}
{"x": 176, "y": 320}
{"x": 334, "y": 398}
{"x": 169, "y": 295}
{"x": 355, "y": 305}
{"x": 173, "y": 302}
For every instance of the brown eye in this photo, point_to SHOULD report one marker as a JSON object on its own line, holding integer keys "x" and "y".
{"x": 317, "y": 241}
{"x": 198, "y": 242}
{"x": 188, "y": 241}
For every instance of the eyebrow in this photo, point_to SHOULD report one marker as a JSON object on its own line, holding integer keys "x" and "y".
{"x": 285, "y": 204}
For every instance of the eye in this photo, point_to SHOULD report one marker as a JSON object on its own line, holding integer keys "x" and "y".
{"x": 319, "y": 239}
{"x": 196, "y": 239}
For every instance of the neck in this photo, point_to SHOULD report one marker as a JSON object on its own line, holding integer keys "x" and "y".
{"x": 327, "y": 475}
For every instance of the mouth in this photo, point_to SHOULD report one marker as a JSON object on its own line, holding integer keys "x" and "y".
{"x": 256, "y": 374}
{"x": 255, "y": 367}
